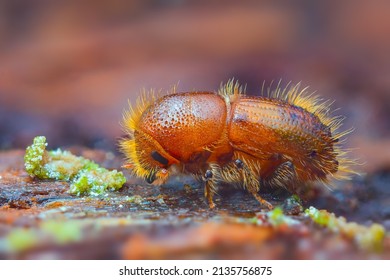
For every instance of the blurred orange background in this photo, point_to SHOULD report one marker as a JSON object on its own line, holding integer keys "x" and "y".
{"x": 67, "y": 68}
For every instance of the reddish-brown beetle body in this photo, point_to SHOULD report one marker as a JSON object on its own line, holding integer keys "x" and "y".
{"x": 281, "y": 140}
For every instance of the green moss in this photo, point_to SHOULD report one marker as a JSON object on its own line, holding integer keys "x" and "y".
{"x": 84, "y": 175}
{"x": 292, "y": 205}
{"x": 321, "y": 217}
{"x": 365, "y": 237}
{"x": 137, "y": 199}
{"x": 97, "y": 181}
{"x": 36, "y": 157}
{"x": 21, "y": 239}
{"x": 63, "y": 165}
{"x": 276, "y": 217}
{"x": 59, "y": 232}
{"x": 63, "y": 232}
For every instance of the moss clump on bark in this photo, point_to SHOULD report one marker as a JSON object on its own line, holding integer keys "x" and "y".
{"x": 84, "y": 175}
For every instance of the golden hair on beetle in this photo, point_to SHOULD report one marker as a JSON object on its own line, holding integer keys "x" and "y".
{"x": 283, "y": 139}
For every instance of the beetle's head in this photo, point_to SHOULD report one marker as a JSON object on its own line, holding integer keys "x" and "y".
{"x": 146, "y": 158}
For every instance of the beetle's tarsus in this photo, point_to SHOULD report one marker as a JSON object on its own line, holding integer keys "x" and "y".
{"x": 262, "y": 200}
{"x": 211, "y": 202}
{"x": 209, "y": 193}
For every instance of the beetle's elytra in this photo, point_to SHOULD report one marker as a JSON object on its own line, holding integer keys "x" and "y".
{"x": 284, "y": 139}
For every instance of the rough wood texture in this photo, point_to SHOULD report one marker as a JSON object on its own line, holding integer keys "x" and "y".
{"x": 40, "y": 220}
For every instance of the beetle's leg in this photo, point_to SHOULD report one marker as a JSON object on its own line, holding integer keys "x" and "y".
{"x": 251, "y": 183}
{"x": 209, "y": 193}
{"x": 209, "y": 189}
{"x": 283, "y": 175}
{"x": 262, "y": 200}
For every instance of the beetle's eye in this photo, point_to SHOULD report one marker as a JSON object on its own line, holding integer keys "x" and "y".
{"x": 158, "y": 157}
